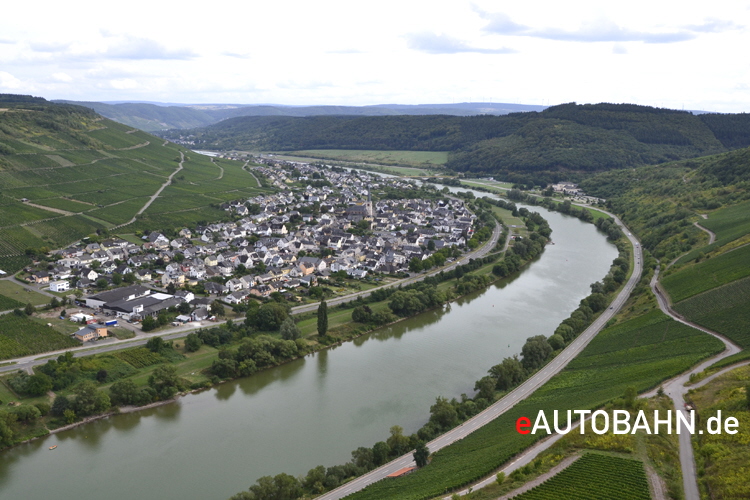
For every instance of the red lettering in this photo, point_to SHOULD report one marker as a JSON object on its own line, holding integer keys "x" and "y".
{"x": 523, "y": 423}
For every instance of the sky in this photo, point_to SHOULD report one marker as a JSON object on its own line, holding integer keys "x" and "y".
{"x": 665, "y": 53}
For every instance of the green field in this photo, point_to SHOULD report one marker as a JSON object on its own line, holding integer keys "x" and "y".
{"x": 20, "y": 336}
{"x": 17, "y": 292}
{"x": 641, "y": 353}
{"x": 405, "y": 158}
{"x": 725, "y": 309}
{"x": 708, "y": 274}
{"x": 593, "y": 477}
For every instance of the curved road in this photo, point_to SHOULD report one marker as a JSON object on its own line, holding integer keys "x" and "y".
{"x": 512, "y": 398}
{"x": 676, "y": 390}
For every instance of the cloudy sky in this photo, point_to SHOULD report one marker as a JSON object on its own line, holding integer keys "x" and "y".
{"x": 676, "y": 54}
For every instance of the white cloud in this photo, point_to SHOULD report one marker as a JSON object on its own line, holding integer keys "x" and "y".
{"x": 62, "y": 77}
{"x": 9, "y": 82}
{"x": 443, "y": 44}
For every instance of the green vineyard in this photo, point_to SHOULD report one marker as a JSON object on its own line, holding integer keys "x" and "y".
{"x": 594, "y": 477}
{"x": 20, "y": 336}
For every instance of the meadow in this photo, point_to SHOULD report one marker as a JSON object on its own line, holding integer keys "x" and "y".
{"x": 408, "y": 158}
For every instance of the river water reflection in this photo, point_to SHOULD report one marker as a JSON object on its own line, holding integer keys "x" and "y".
{"x": 318, "y": 409}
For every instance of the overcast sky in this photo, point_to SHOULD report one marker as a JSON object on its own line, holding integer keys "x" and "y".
{"x": 676, "y": 54}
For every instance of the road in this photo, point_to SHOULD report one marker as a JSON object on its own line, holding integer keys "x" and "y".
{"x": 512, "y": 398}
{"x": 676, "y": 390}
{"x": 711, "y": 234}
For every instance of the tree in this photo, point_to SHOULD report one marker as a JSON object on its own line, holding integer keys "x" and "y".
{"x": 289, "y": 329}
{"x": 443, "y": 414}
{"x": 59, "y": 406}
{"x": 129, "y": 278}
{"x": 415, "y": 264}
{"x": 123, "y": 392}
{"x": 116, "y": 278}
{"x": 380, "y": 453}
{"x": 165, "y": 382}
{"x": 149, "y": 323}
{"x": 89, "y": 400}
{"x": 397, "y": 442}
{"x": 280, "y": 487}
{"x": 171, "y": 289}
{"x": 193, "y": 342}
{"x": 54, "y": 303}
{"x": 217, "y": 308}
{"x": 102, "y": 283}
{"x": 322, "y": 318}
{"x": 29, "y": 309}
{"x": 421, "y": 454}
{"x": 535, "y": 352}
{"x": 38, "y": 384}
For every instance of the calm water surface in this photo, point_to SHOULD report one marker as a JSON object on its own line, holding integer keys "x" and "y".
{"x": 318, "y": 409}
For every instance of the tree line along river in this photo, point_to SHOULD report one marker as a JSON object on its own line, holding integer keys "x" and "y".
{"x": 316, "y": 410}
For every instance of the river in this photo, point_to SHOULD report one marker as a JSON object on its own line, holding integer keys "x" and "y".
{"x": 318, "y": 409}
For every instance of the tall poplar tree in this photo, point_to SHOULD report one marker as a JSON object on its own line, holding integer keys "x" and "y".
{"x": 322, "y": 318}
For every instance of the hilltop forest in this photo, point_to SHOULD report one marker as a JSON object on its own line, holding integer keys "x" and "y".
{"x": 539, "y": 147}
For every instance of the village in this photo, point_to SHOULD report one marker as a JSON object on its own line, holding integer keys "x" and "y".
{"x": 321, "y": 227}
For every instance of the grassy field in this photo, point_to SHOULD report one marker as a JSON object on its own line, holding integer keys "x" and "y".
{"x": 723, "y": 460}
{"x": 17, "y": 292}
{"x": 708, "y": 274}
{"x": 404, "y": 158}
{"x": 725, "y": 309}
{"x": 595, "y": 476}
{"x": 20, "y": 336}
{"x": 641, "y": 353}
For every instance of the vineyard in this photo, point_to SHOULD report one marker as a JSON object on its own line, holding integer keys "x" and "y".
{"x": 728, "y": 223}
{"x": 708, "y": 274}
{"x": 6, "y": 303}
{"x": 594, "y": 477}
{"x": 725, "y": 309}
{"x": 20, "y": 336}
{"x": 140, "y": 357}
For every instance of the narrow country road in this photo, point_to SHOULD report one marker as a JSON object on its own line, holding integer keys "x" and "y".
{"x": 676, "y": 390}
{"x": 711, "y": 234}
{"x": 512, "y": 398}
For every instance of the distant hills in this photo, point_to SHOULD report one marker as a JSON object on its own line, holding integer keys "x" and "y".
{"x": 535, "y": 146}
{"x": 153, "y": 117}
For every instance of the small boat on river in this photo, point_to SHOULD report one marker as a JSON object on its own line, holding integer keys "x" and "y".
{"x": 53, "y": 447}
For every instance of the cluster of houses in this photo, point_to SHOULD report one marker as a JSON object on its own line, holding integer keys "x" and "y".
{"x": 293, "y": 238}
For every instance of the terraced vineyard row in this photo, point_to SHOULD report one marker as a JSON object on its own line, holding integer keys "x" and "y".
{"x": 594, "y": 477}
{"x": 20, "y": 336}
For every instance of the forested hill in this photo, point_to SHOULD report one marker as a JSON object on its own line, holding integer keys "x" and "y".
{"x": 154, "y": 117}
{"x": 562, "y": 139}
{"x": 660, "y": 202}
